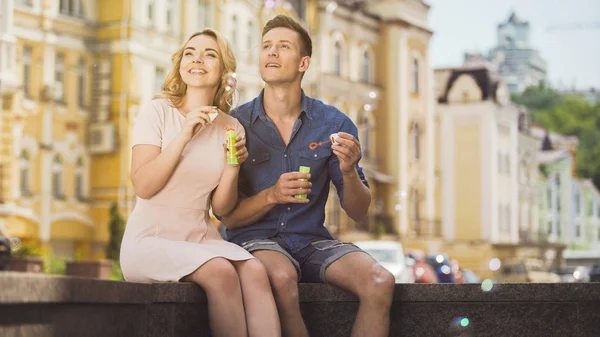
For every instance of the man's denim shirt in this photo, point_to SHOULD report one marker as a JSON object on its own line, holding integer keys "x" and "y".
{"x": 269, "y": 158}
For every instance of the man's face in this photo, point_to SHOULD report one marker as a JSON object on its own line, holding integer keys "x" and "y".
{"x": 280, "y": 57}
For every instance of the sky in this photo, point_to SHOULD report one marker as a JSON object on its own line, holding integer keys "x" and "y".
{"x": 572, "y": 55}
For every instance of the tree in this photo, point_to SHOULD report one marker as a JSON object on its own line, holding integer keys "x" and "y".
{"x": 117, "y": 227}
{"x": 571, "y": 116}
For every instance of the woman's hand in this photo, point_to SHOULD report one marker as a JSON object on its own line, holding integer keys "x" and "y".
{"x": 196, "y": 120}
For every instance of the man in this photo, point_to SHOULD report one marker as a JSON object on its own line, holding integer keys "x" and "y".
{"x": 287, "y": 234}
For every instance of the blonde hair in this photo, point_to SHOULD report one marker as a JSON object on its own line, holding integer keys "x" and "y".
{"x": 174, "y": 89}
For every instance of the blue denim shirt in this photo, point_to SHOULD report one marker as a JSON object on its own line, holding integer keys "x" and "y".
{"x": 269, "y": 158}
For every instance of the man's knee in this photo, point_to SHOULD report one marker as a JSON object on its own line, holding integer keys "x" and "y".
{"x": 284, "y": 283}
{"x": 379, "y": 288}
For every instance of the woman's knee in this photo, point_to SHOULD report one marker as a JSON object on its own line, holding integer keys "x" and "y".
{"x": 253, "y": 271}
{"x": 217, "y": 274}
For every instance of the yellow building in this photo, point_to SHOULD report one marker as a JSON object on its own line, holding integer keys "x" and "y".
{"x": 371, "y": 61}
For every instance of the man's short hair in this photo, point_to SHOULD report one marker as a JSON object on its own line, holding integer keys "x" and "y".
{"x": 284, "y": 21}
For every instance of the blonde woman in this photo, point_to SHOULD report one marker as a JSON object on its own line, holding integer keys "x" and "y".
{"x": 179, "y": 170}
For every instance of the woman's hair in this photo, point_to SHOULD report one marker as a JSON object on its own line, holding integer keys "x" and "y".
{"x": 174, "y": 89}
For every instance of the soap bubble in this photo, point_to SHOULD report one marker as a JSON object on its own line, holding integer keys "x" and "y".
{"x": 495, "y": 264}
{"x": 380, "y": 274}
{"x": 487, "y": 285}
{"x": 15, "y": 244}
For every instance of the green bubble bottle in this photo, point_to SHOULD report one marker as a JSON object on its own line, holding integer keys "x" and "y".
{"x": 303, "y": 169}
{"x": 232, "y": 158}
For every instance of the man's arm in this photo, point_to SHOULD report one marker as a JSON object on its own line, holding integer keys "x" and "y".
{"x": 250, "y": 210}
{"x": 357, "y": 196}
{"x": 354, "y": 194}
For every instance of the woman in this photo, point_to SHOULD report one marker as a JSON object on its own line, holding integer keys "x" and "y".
{"x": 179, "y": 170}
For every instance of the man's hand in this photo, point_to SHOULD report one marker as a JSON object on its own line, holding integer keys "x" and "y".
{"x": 347, "y": 150}
{"x": 288, "y": 185}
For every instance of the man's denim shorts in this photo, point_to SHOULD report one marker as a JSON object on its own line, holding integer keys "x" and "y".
{"x": 311, "y": 261}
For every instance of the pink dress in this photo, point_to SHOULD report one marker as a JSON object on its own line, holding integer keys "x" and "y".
{"x": 170, "y": 235}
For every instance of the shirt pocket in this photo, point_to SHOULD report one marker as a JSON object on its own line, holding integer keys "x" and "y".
{"x": 315, "y": 159}
{"x": 258, "y": 170}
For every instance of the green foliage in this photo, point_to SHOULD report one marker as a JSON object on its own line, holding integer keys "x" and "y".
{"x": 116, "y": 227}
{"x": 55, "y": 265}
{"x": 28, "y": 249}
{"x": 571, "y": 116}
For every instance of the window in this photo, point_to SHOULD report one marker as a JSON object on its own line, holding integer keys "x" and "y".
{"x": 27, "y": 71}
{"x": 576, "y": 202}
{"x": 159, "y": 78}
{"x": 364, "y": 128}
{"x": 202, "y": 15}
{"x": 150, "y": 9}
{"x": 250, "y": 37}
{"x": 416, "y": 141}
{"x": 234, "y": 28}
{"x": 169, "y": 13}
{"x": 57, "y": 177}
{"x": 28, "y": 3}
{"x": 79, "y": 179}
{"x": 81, "y": 84}
{"x": 71, "y": 7}
{"x": 25, "y": 166}
{"x": 366, "y": 67}
{"x": 337, "y": 58}
{"x": 415, "y": 208}
{"x": 59, "y": 77}
{"x": 415, "y": 76}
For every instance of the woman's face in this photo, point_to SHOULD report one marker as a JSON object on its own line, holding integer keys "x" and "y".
{"x": 201, "y": 63}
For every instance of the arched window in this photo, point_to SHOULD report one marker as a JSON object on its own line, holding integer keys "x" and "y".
{"x": 415, "y": 76}
{"x": 25, "y": 167}
{"x": 79, "y": 179}
{"x": 234, "y": 28}
{"x": 364, "y": 129}
{"x": 250, "y": 36}
{"x": 337, "y": 58}
{"x": 415, "y": 134}
{"x": 57, "y": 177}
{"x": 366, "y": 67}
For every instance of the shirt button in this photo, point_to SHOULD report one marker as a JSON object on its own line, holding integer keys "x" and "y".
{"x": 282, "y": 223}
{"x": 289, "y": 209}
{"x": 253, "y": 160}
{"x": 285, "y": 155}
{"x": 315, "y": 155}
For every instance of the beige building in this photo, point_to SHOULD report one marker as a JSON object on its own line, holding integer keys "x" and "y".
{"x": 372, "y": 62}
{"x": 479, "y": 158}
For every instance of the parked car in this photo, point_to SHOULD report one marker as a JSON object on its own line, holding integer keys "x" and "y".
{"x": 574, "y": 274}
{"x": 390, "y": 255}
{"x": 470, "y": 276}
{"x": 526, "y": 270}
{"x": 423, "y": 273}
{"x": 595, "y": 273}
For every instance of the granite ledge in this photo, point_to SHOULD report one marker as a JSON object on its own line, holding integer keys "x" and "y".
{"x": 22, "y": 288}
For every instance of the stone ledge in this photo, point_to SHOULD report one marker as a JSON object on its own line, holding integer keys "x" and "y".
{"x": 39, "y": 288}
{"x": 52, "y": 306}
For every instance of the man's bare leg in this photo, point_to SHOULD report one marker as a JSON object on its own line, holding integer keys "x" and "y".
{"x": 284, "y": 282}
{"x": 360, "y": 274}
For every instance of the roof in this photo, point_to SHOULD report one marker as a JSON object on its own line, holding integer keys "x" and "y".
{"x": 484, "y": 74}
{"x": 549, "y": 157}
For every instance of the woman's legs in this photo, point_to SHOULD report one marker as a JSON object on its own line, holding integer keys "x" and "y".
{"x": 220, "y": 281}
{"x": 261, "y": 312}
